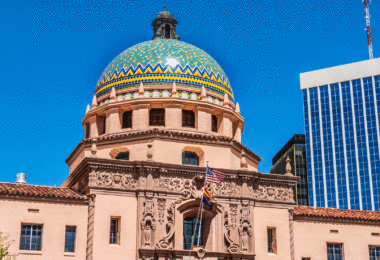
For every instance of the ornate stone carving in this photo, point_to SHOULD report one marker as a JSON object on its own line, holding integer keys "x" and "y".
{"x": 104, "y": 179}
{"x": 161, "y": 210}
{"x": 231, "y": 246}
{"x": 233, "y": 210}
{"x": 276, "y": 193}
{"x": 225, "y": 188}
{"x": 166, "y": 242}
{"x": 245, "y": 229}
{"x": 129, "y": 181}
{"x": 148, "y": 223}
{"x": 171, "y": 184}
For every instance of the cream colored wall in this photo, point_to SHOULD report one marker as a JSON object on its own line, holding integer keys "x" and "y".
{"x": 272, "y": 217}
{"x": 310, "y": 239}
{"x": 115, "y": 205}
{"x": 170, "y": 151}
{"x": 54, "y": 217}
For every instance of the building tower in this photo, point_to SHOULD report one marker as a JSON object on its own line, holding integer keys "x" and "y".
{"x": 341, "y": 111}
{"x": 295, "y": 150}
{"x": 368, "y": 27}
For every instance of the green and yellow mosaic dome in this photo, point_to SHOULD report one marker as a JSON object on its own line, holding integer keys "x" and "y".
{"x": 161, "y": 61}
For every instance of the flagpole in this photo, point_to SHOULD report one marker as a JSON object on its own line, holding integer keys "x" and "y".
{"x": 200, "y": 224}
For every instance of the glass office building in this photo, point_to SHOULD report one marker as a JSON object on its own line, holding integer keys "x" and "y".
{"x": 295, "y": 149}
{"x": 341, "y": 112}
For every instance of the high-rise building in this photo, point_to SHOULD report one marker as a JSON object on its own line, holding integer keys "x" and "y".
{"x": 295, "y": 149}
{"x": 341, "y": 111}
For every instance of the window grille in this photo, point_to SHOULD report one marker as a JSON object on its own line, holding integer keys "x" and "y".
{"x": 114, "y": 231}
{"x": 191, "y": 227}
{"x": 157, "y": 117}
{"x": 374, "y": 252}
{"x": 190, "y": 158}
{"x": 70, "y": 239}
{"x": 188, "y": 118}
{"x": 127, "y": 119}
{"x": 214, "y": 123}
{"x": 31, "y": 236}
{"x": 334, "y": 251}
{"x": 272, "y": 245}
{"x": 122, "y": 156}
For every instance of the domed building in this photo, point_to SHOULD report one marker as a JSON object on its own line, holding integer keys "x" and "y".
{"x": 162, "y": 115}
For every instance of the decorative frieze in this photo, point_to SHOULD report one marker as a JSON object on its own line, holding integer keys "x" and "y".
{"x": 276, "y": 193}
{"x": 116, "y": 180}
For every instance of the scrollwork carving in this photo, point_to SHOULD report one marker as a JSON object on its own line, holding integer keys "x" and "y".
{"x": 104, "y": 179}
{"x": 129, "y": 181}
{"x": 231, "y": 246}
{"x": 161, "y": 210}
{"x": 245, "y": 229}
{"x": 276, "y": 193}
{"x": 148, "y": 223}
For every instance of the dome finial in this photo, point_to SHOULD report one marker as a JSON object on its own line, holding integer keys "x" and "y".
{"x": 164, "y": 26}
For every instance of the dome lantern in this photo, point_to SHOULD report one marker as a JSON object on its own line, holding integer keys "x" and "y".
{"x": 164, "y": 26}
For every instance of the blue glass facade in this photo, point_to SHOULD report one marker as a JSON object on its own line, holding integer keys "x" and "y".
{"x": 342, "y": 144}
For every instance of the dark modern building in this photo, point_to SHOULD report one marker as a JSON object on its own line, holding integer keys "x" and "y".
{"x": 341, "y": 111}
{"x": 295, "y": 149}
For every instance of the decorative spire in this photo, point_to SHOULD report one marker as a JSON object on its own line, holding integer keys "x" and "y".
{"x": 174, "y": 90}
{"x": 237, "y": 108}
{"x": 141, "y": 90}
{"x": 288, "y": 167}
{"x": 88, "y": 108}
{"x": 164, "y": 26}
{"x": 94, "y": 149}
{"x": 226, "y": 101}
{"x": 94, "y": 102}
{"x": 203, "y": 93}
{"x": 113, "y": 94}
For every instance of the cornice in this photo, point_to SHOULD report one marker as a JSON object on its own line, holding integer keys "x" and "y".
{"x": 168, "y": 134}
{"x": 32, "y": 198}
{"x": 335, "y": 220}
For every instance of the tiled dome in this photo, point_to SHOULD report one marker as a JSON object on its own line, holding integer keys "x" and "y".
{"x": 162, "y": 61}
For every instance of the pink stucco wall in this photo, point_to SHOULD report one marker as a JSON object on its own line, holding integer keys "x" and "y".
{"x": 54, "y": 217}
{"x": 311, "y": 238}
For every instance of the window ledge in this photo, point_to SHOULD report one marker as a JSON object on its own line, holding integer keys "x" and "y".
{"x": 68, "y": 254}
{"x": 29, "y": 252}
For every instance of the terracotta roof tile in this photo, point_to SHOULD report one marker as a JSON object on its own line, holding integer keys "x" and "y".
{"x": 36, "y": 190}
{"x": 337, "y": 213}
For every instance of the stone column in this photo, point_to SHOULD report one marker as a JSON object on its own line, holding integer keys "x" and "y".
{"x": 204, "y": 119}
{"x": 291, "y": 211}
{"x": 238, "y": 131}
{"x": 112, "y": 121}
{"x": 90, "y": 227}
{"x": 173, "y": 116}
{"x": 140, "y": 116}
{"x": 93, "y": 127}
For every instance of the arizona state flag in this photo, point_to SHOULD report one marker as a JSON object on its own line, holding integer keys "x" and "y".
{"x": 207, "y": 198}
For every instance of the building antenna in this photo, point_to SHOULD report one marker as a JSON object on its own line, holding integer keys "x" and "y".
{"x": 368, "y": 28}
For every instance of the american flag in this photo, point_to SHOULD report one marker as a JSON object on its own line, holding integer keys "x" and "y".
{"x": 214, "y": 176}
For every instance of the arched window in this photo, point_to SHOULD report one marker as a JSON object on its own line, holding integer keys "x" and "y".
{"x": 157, "y": 117}
{"x": 191, "y": 228}
{"x": 127, "y": 119}
{"x": 214, "y": 123}
{"x": 123, "y": 156}
{"x": 188, "y": 118}
{"x": 190, "y": 158}
{"x": 167, "y": 31}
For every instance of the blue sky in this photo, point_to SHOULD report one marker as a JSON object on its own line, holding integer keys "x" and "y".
{"x": 53, "y": 52}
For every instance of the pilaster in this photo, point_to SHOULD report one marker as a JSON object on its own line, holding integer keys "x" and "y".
{"x": 173, "y": 116}
{"x": 140, "y": 116}
{"x": 112, "y": 120}
{"x": 93, "y": 127}
{"x": 204, "y": 119}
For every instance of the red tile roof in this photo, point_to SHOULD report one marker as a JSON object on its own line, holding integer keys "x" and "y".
{"x": 41, "y": 191}
{"x": 346, "y": 214}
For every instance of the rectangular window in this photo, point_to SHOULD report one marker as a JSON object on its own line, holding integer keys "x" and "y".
{"x": 157, "y": 117}
{"x": 70, "y": 239}
{"x": 87, "y": 130}
{"x": 31, "y": 237}
{"x": 374, "y": 252}
{"x": 188, "y": 118}
{"x": 115, "y": 231}
{"x": 305, "y": 258}
{"x": 334, "y": 251}
{"x": 272, "y": 243}
{"x": 214, "y": 123}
